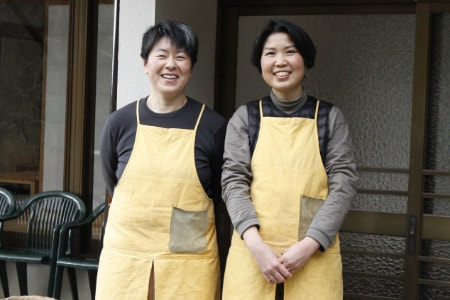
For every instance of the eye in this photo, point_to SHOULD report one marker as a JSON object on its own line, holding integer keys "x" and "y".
{"x": 269, "y": 53}
{"x": 291, "y": 51}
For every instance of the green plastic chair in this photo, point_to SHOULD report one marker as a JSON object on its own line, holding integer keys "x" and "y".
{"x": 7, "y": 207}
{"x": 66, "y": 257}
{"x": 46, "y": 212}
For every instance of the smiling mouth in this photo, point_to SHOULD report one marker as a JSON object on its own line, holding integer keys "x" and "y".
{"x": 169, "y": 76}
{"x": 282, "y": 74}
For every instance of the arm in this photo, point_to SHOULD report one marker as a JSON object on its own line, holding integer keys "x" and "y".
{"x": 216, "y": 163}
{"x": 340, "y": 166}
{"x": 236, "y": 173}
{"x": 341, "y": 169}
{"x": 108, "y": 157}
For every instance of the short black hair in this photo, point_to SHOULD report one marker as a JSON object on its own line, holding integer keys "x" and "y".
{"x": 179, "y": 33}
{"x": 301, "y": 39}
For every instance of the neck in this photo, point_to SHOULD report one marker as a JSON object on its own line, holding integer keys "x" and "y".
{"x": 288, "y": 95}
{"x": 163, "y": 105}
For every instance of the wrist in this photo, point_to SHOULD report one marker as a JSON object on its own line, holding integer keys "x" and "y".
{"x": 252, "y": 238}
{"x": 311, "y": 244}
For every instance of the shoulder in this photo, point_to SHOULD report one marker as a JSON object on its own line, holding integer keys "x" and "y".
{"x": 122, "y": 118}
{"x": 123, "y": 112}
{"x": 210, "y": 118}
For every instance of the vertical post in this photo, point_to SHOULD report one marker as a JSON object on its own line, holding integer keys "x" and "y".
{"x": 417, "y": 152}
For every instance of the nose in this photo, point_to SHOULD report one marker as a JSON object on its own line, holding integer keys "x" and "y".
{"x": 170, "y": 62}
{"x": 280, "y": 60}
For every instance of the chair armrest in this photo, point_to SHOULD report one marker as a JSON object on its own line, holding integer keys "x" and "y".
{"x": 64, "y": 229}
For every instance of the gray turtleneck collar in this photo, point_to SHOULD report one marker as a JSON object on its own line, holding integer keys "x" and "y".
{"x": 289, "y": 107}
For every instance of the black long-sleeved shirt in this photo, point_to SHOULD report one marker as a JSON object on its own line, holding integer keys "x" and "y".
{"x": 119, "y": 133}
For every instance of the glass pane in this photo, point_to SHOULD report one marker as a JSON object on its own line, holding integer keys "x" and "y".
{"x": 359, "y": 287}
{"x": 21, "y": 66}
{"x": 376, "y": 199}
{"x": 372, "y": 243}
{"x": 383, "y": 181}
{"x": 380, "y": 203}
{"x": 435, "y": 271}
{"x": 434, "y": 292}
{"x": 438, "y": 131}
{"x": 103, "y": 94}
{"x": 437, "y": 157}
{"x": 373, "y": 265}
{"x": 55, "y": 96}
{"x": 436, "y": 206}
{"x": 437, "y": 249}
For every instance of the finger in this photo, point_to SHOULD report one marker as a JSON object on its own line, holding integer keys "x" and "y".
{"x": 272, "y": 278}
{"x": 284, "y": 271}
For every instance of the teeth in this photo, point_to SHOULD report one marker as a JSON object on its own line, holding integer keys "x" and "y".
{"x": 169, "y": 76}
{"x": 281, "y": 73}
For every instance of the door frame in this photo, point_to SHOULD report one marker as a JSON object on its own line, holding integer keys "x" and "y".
{"x": 413, "y": 225}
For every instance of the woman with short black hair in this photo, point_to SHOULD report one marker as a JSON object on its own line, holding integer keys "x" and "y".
{"x": 161, "y": 158}
{"x": 288, "y": 179}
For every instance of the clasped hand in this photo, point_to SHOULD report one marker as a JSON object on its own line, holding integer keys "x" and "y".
{"x": 277, "y": 268}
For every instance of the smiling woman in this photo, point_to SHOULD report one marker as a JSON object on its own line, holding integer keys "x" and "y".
{"x": 288, "y": 179}
{"x": 161, "y": 159}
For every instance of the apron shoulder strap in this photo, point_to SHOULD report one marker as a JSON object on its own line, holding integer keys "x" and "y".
{"x": 309, "y": 110}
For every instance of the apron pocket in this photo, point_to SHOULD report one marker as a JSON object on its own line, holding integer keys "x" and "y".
{"x": 308, "y": 209}
{"x": 188, "y": 231}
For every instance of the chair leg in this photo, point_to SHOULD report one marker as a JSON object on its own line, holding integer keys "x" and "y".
{"x": 73, "y": 283}
{"x": 51, "y": 278}
{"x": 21, "y": 268}
{"x": 57, "y": 282}
{"x": 92, "y": 274}
{"x": 4, "y": 278}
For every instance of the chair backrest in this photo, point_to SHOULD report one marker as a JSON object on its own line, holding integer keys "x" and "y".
{"x": 7, "y": 205}
{"x": 48, "y": 210}
{"x": 7, "y": 202}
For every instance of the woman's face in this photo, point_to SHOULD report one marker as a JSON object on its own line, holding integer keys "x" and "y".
{"x": 168, "y": 68}
{"x": 282, "y": 66}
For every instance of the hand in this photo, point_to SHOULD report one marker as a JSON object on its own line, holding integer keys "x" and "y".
{"x": 266, "y": 258}
{"x": 296, "y": 256}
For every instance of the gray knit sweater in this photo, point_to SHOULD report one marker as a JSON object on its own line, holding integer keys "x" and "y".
{"x": 340, "y": 166}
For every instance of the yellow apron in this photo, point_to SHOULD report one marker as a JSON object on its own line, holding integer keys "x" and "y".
{"x": 160, "y": 221}
{"x": 288, "y": 187}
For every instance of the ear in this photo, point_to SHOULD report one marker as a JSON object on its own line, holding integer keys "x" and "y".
{"x": 144, "y": 63}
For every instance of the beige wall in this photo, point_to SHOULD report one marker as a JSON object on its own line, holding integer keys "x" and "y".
{"x": 136, "y": 16}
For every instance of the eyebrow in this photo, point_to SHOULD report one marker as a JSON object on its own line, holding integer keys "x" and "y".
{"x": 181, "y": 50}
{"x": 272, "y": 48}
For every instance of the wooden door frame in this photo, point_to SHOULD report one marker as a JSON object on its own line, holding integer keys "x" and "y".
{"x": 229, "y": 12}
{"x": 422, "y": 226}
{"x": 408, "y": 225}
